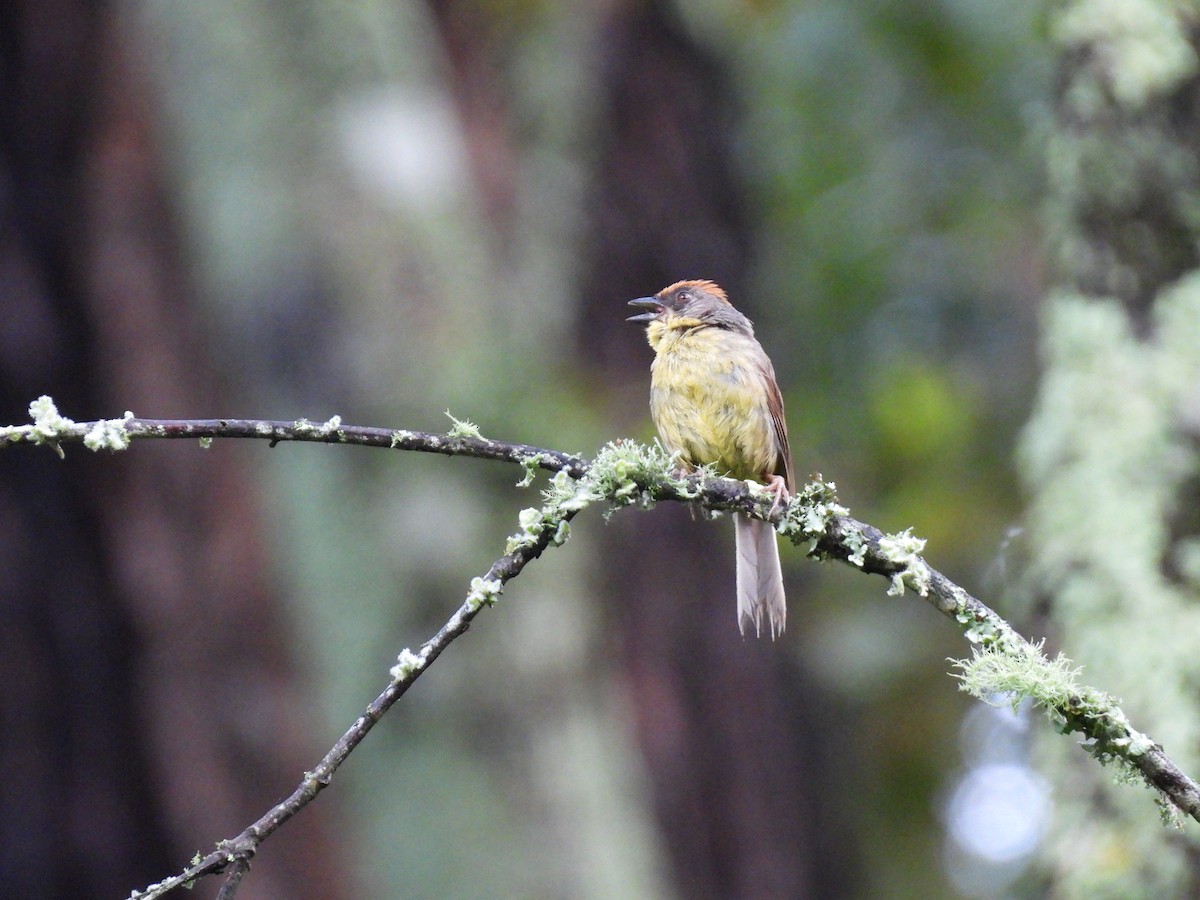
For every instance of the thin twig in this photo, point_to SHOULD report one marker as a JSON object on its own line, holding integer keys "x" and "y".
{"x": 328, "y": 432}
{"x": 239, "y": 850}
{"x": 233, "y": 878}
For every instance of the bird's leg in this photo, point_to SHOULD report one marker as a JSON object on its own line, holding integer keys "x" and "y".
{"x": 778, "y": 488}
{"x": 682, "y": 471}
{"x": 680, "y": 468}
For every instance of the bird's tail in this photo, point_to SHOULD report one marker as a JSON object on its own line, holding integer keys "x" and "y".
{"x": 759, "y": 576}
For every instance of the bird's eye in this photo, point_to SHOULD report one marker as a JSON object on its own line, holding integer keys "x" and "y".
{"x": 683, "y": 296}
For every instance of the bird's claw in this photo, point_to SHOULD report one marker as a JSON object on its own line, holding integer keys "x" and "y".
{"x": 778, "y": 488}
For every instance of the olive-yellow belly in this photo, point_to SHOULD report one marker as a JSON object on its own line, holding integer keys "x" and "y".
{"x": 708, "y": 397}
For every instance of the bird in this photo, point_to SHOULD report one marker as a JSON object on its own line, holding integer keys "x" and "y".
{"x": 715, "y": 401}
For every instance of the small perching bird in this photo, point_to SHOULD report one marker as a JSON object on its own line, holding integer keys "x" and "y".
{"x": 714, "y": 400}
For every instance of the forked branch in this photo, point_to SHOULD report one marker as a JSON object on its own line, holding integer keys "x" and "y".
{"x": 623, "y": 474}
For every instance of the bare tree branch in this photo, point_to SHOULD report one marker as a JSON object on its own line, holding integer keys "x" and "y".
{"x": 623, "y": 474}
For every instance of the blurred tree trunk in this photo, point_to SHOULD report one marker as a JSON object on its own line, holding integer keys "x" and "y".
{"x": 725, "y": 724}
{"x": 1109, "y": 456}
{"x": 149, "y": 707}
{"x": 475, "y": 49}
{"x": 1124, "y": 159}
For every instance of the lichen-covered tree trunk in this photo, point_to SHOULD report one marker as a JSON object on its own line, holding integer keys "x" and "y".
{"x": 148, "y": 706}
{"x": 1109, "y": 457}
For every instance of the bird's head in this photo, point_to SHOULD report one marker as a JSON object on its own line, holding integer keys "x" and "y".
{"x": 689, "y": 304}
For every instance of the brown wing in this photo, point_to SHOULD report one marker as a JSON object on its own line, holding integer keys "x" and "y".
{"x": 783, "y": 453}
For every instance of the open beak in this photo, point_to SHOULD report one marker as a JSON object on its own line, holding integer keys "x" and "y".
{"x": 650, "y": 304}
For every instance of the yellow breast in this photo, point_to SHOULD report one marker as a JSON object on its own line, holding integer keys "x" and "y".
{"x": 708, "y": 397}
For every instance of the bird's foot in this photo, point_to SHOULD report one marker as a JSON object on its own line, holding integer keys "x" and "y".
{"x": 778, "y": 488}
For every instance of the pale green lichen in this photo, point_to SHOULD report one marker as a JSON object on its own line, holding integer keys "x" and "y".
{"x": 206, "y": 442}
{"x": 48, "y": 424}
{"x": 462, "y": 428}
{"x": 610, "y": 475}
{"x": 623, "y": 471}
{"x": 980, "y": 629}
{"x": 619, "y": 473}
{"x": 1139, "y": 744}
{"x": 1146, "y": 46}
{"x": 47, "y": 421}
{"x": 856, "y": 543}
{"x": 1105, "y": 458}
{"x": 109, "y": 434}
{"x": 153, "y": 890}
{"x": 1169, "y": 815}
{"x": 809, "y": 513}
{"x": 406, "y": 664}
{"x": 484, "y": 592}
{"x": 566, "y": 494}
{"x": 904, "y": 549}
{"x": 532, "y": 521}
{"x": 531, "y": 464}
{"x": 400, "y": 436}
{"x": 304, "y": 426}
{"x": 1020, "y": 675}
{"x": 1023, "y": 672}
{"x": 562, "y": 534}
